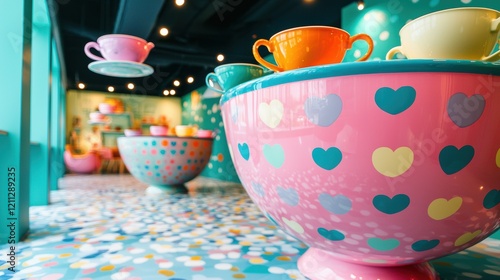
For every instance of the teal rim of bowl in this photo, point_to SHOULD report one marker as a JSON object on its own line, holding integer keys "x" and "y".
{"x": 365, "y": 67}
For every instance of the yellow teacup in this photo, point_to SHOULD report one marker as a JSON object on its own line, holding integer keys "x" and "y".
{"x": 461, "y": 33}
{"x": 308, "y": 46}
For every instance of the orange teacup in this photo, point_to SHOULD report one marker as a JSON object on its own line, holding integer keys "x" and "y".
{"x": 308, "y": 46}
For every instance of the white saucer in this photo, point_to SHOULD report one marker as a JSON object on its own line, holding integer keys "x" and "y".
{"x": 125, "y": 69}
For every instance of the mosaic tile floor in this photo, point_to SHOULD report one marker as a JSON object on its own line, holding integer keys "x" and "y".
{"x": 104, "y": 227}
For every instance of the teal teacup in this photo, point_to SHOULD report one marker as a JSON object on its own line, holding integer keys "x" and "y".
{"x": 230, "y": 75}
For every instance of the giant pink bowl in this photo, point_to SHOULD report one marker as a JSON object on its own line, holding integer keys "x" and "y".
{"x": 165, "y": 163}
{"x": 378, "y": 166}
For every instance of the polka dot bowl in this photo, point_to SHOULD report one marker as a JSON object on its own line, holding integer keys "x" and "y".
{"x": 165, "y": 162}
{"x": 378, "y": 166}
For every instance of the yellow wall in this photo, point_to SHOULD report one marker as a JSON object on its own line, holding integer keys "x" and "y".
{"x": 80, "y": 103}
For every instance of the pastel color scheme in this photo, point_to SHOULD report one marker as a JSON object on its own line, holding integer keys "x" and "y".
{"x": 366, "y": 185}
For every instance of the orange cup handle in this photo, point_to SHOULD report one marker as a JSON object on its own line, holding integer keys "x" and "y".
{"x": 366, "y": 38}
{"x": 263, "y": 62}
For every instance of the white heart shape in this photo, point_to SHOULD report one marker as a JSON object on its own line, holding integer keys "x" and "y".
{"x": 271, "y": 114}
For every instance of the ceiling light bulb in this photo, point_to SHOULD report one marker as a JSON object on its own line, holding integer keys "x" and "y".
{"x": 361, "y": 4}
{"x": 190, "y": 80}
{"x": 220, "y": 57}
{"x": 130, "y": 86}
{"x": 177, "y": 83}
{"x": 163, "y": 31}
{"x": 81, "y": 85}
{"x": 179, "y": 2}
{"x": 111, "y": 89}
{"x": 165, "y": 92}
{"x": 172, "y": 92}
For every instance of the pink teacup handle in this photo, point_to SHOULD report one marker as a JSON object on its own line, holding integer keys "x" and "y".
{"x": 368, "y": 40}
{"x": 263, "y": 62}
{"x": 495, "y": 25}
{"x": 94, "y": 45}
{"x": 390, "y": 54}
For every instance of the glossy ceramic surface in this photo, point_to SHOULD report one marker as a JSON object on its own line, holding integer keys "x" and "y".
{"x": 308, "y": 46}
{"x": 132, "y": 132}
{"x": 106, "y": 108}
{"x": 387, "y": 163}
{"x": 185, "y": 130}
{"x": 119, "y": 47}
{"x": 158, "y": 130}
{"x": 462, "y": 33}
{"x": 230, "y": 75}
{"x": 164, "y": 162}
{"x": 123, "y": 69}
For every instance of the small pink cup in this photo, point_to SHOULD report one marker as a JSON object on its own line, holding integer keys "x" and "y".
{"x": 204, "y": 133}
{"x": 158, "y": 130}
{"x": 106, "y": 108}
{"x": 119, "y": 47}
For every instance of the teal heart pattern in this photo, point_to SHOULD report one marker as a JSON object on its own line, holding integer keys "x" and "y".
{"x": 244, "y": 150}
{"x": 392, "y": 205}
{"x": 328, "y": 159}
{"x": 333, "y": 235}
{"x": 491, "y": 199}
{"x": 424, "y": 245}
{"x": 380, "y": 244}
{"x": 453, "y": 159}
{"x": 274, "y": 154}
{"x": 395, "y": 101}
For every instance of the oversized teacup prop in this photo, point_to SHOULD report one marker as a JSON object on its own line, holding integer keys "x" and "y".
{"x": 230, "y": 75}
{"x": 309, "y": 46}
{"x": 119, "y": 47}
{"x": 461, "y": 33}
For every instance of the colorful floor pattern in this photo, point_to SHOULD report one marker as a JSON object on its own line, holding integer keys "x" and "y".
{"x": 104, "y": 227}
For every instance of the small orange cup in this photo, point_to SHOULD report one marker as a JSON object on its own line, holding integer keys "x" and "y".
{"x": 308, "y": 46}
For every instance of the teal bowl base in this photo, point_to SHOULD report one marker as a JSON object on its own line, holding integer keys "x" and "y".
{"x": 158, "y": 190}
{"x": 317, "y": 264}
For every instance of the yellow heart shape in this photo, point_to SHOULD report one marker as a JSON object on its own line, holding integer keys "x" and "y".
{"x": 441, "y": 208}
{"x": 271, "y": 113}
{"x": 392, "y": 163}
{"x": 498, "y": 158}
{"x": 294, "y": 225}
{"x": 466, "y": 237}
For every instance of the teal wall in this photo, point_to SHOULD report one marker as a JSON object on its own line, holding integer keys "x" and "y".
{"x": 206, "y": 114}
{"x": 57, "y": 113}
{"x": 15, "y": 70}
{"x": 40, "y": 108}
{"x": 382, "y": 20}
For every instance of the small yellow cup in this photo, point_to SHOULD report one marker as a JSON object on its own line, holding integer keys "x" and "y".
{"x": 308, "y": 46}
{"x": 461, "y": 33}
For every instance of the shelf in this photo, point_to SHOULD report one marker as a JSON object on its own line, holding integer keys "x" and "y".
{"x": 103, "y": 122}
{"x": 112, "y": 132}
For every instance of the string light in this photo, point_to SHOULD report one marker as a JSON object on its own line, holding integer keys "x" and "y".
{"x": 163, "y": 31}
{"x": 190, "y": 80}
{"x": 111, "y": 89}
{"x": 81, "y": 85}
{"x": 130, "y": 86}
{"x": 361, "y": 4}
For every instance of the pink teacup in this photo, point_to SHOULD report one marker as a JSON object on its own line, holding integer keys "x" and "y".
{"x": 119, "y": 47}
{"x": 158, "y": 130}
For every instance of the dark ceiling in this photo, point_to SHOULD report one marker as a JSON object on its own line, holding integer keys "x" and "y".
{"x": 199, "y": 30}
